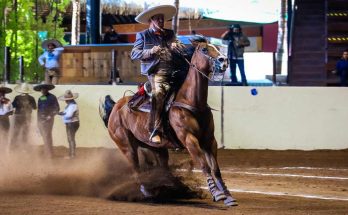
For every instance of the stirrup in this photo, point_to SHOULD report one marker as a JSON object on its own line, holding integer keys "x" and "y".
{"x": 154, "y": 134}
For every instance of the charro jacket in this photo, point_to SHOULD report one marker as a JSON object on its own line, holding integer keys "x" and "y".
{"x": 144, "y": 42}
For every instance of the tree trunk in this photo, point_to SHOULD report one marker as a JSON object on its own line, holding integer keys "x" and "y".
{"x": 75, "y": 25}
{"x": 175, "y": 22}
{"x": 281, "y": 42}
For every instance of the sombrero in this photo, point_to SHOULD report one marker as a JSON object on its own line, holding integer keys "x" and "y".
{"x": 167, "y": 10}
{"x": 45, "y": 43}
{"x": 5, "y": 89}
{"x": 44, "y": 85}
{"x": 24, "y": 88}
{"x": 68, "y": 95}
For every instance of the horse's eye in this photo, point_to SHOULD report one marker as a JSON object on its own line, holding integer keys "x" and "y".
{"x": 205, "y": 50}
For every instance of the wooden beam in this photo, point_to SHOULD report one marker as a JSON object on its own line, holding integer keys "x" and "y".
{"x": 201, "y": 24}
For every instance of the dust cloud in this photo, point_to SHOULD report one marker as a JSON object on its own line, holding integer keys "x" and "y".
{"x": 96, "y": 172}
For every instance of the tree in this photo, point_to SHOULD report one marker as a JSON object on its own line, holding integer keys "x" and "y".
{"x": 19, "y": 31}
{"x": 75, "y": 25}
{"x": 281, "y": 42}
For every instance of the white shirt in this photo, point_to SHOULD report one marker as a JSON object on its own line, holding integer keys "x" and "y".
{"x": 71, "y": 113}
{"x": 5, "y": 108}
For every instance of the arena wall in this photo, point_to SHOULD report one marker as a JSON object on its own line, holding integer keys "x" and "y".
{"x": 279, "y": 118}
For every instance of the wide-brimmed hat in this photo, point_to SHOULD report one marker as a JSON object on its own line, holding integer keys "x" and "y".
{"x": 23, "y": 88}
{"x": 235, "y": 26}
{"x": 68, "y": 95}
{"x": 44, "y": 86}
{"x": 5, "y": 89}
{"x": 167, "y": 10}
{"x": 55, "y": 42}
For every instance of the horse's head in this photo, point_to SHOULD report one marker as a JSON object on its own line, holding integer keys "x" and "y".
{"x": 208, "y": 58}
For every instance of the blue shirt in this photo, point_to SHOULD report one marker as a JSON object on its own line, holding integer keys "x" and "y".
{"x": 342, "y": 65}
{"x": 51, "y": 59}
{"x": 47, "y": 106}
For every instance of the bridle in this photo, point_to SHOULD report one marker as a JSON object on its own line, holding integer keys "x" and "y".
{"x": 212, "y": 62}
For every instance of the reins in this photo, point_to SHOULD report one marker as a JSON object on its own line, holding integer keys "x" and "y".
{"x": 195, "y": 67}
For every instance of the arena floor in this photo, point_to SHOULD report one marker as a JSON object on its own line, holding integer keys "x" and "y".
{"x": 263, "y": 181}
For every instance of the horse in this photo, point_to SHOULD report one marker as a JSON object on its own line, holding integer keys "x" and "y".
{"x": 190, "y": 118}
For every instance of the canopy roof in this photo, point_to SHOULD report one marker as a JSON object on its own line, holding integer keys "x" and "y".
{"x": 257, "y": 11}
{"x": 249, "y": 11}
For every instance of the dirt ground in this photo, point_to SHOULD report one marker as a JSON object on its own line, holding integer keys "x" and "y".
{"x": 263, "y": 182}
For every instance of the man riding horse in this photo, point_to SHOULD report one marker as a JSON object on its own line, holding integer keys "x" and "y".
{"x": 153, "y": 48}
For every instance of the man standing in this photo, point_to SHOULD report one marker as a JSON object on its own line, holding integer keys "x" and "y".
{"x": 24, "y": 104}
{"x": 111, "y": 36}
{"x": 342, "y": 68}
{"x": 5, "y": 111}
{"x": 48, "y": 107}
{"x": 50, "y": 60}
{"x": 236, "y": 43}
{"x": 152, "y": 49}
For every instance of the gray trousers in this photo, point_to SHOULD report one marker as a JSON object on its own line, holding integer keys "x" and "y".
{"x": 21, "y": 127}
{"x": 71, "y": 129}
{"x": 45, "y": 127}
{"x": 4, "y": 130}
{"x": 52, "y": 76}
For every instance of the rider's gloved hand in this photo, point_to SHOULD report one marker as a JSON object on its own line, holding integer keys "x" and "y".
{"x": 177, "y": 45}
{"x": 155, "y": 50}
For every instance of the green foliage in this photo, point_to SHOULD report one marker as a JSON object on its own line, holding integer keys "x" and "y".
{"x": 19, "y": 30}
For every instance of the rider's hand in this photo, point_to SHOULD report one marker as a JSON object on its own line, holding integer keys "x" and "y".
{"x": 155, "y": 50}
{"x": 176, "y": 45}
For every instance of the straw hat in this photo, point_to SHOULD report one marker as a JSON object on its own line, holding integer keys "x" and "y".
{"x": 55, "y": 42}
{"x": 24, "y": 88}
{"x": 44, "y": 85}
{"x": 4, "y": 89}
{"x": 167, "y": 10}
{"x": 68, "y": 95}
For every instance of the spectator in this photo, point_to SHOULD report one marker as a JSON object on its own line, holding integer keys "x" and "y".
{"x": 24, "y": 104}
{"x": 236, "y": 43}
{"x": 111, "y": 36}
{"x": 70, "y": 117}
{"x": 6, "y": 110}
{"x": 50, "y": 60}
{"x": 342, "y": 68}
{"x": 48, "y": 107}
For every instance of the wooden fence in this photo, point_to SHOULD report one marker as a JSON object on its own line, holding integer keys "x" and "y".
{"x": 91, "y": 64}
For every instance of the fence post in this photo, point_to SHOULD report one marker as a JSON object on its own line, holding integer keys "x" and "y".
{"x": 274, "y": 76}
{"x": 115, "y": 76}
{"x": 21, "y": 69}
{"x": 7, "y": 61}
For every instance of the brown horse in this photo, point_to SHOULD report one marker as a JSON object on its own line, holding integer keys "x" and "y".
{"x": 190, "y": 117}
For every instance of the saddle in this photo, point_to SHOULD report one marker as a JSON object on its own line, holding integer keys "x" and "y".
{"x": 141, "y": 101}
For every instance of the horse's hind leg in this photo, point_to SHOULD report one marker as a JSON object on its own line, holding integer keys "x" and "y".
{"x": 192, "y": 145}
{"x": 128, "y": 145}
{"x": 211, "y": 156}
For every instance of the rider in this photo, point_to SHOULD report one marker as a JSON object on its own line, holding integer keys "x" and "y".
{"x": 151, "y": 48}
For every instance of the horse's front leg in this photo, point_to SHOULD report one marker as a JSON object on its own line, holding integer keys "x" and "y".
{"x": 192, "y": 145}
{"x": 211, "y": 156}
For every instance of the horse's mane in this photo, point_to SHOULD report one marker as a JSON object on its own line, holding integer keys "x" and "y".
{"x": 198, "y": 38}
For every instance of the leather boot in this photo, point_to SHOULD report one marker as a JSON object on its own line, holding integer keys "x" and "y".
{"x": 156, "y": 117}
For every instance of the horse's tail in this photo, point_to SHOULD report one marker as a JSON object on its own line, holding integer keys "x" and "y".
{"x": 105, "y": 108}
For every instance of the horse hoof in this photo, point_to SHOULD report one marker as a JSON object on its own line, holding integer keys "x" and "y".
{"x": 145, "y": 192}
{"x": 230, "y": 201}
{"x": 219, "y": 196}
